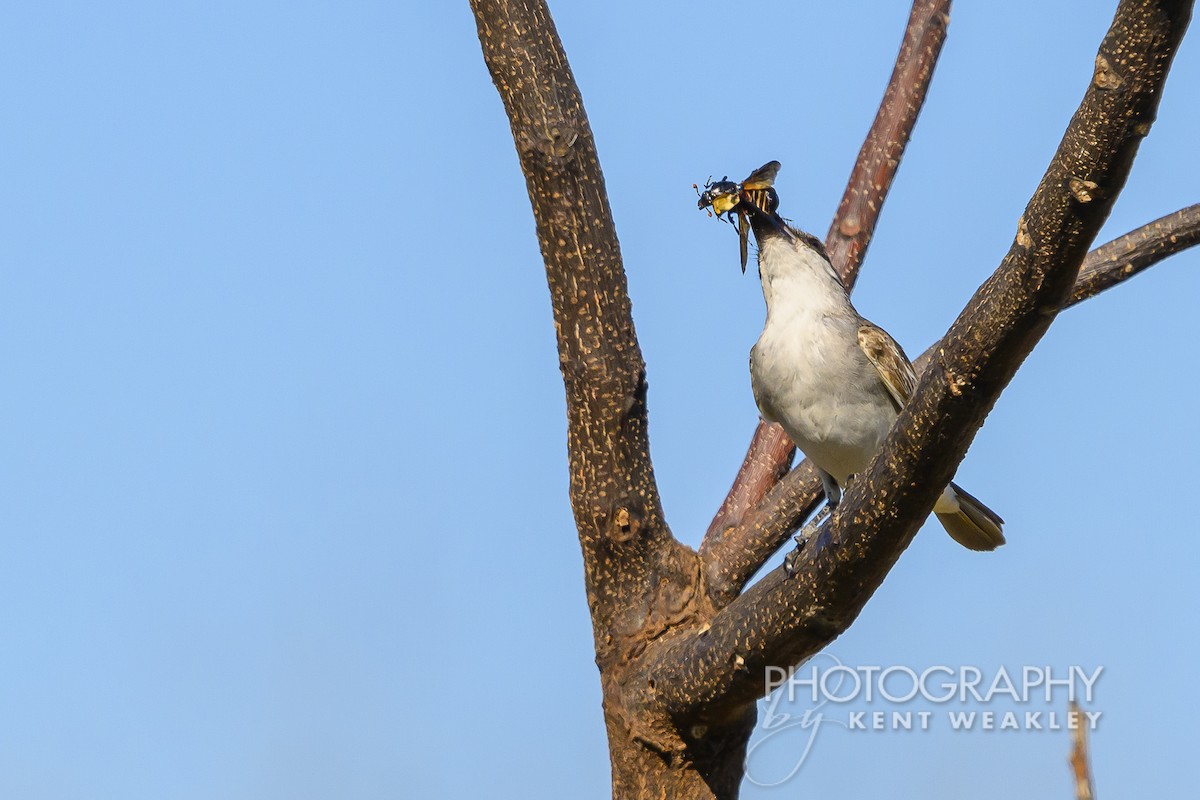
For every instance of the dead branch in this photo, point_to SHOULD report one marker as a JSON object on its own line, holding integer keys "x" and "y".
{"x": 1081, "y": 767}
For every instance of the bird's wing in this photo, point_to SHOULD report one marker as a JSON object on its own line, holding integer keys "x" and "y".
{"x": 888, "y": 358}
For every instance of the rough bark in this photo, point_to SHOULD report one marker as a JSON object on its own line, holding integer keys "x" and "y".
{"x": 1136, "y": 251}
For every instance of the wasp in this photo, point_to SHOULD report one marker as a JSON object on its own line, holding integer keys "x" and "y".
{"x": 725, "y": 196}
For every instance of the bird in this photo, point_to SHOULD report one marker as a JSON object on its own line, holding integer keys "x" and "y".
{"x": 833, "y": 380}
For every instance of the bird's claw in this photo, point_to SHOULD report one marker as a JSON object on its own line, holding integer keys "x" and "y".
{"x": 789, "y": 561}
{"x": 802, "y": 538}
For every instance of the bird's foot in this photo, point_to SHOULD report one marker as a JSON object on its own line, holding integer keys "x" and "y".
{"x": 789, "y": 561}
{"x": 833, "y": 492}
{"x": 802, "y": 538}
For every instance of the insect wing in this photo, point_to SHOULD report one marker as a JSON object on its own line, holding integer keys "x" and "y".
{"x": 763, "y": 177}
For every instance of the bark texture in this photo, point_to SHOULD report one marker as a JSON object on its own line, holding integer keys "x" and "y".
{"x": 680, "y": 646}
{"x": 1129, "y": 255}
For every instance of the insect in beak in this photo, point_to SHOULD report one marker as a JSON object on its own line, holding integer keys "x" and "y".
{"x": 753, "y": 195}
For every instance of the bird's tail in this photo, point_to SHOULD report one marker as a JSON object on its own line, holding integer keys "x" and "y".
{"x": 968, "y": 521}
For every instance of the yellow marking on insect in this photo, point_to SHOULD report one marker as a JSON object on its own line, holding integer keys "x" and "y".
{"x": 724, "y": 202}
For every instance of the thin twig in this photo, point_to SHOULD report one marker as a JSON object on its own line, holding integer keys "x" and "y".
{"x": 1081, "y": 766}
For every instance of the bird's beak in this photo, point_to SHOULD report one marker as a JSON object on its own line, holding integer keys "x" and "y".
{"x": 749, "y": 208}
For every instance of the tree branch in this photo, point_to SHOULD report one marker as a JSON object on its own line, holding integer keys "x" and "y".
{"x": 768, "y": 526}
{"x": 766, "y": 461}
{"x": 613, "y": 493}
{"x": 854, "y": 224}
{"x": 1138, "y": 250}
{"x": 770, "y": 450}
{"x": 717, "y": 671}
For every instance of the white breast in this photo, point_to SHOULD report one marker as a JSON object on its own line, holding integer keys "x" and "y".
{"x": 807, "y": 370}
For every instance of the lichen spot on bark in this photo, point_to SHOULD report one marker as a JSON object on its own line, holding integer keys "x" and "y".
{"x": 955, "y": 382}
{"x": 1023, "y": 237}
{"x": 1105, "y": 77}
{"x": 1083, "y": 191}
{"x": 558, "y": 142}
{"x": 624, "y": 526}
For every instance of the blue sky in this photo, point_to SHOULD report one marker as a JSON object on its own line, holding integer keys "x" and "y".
{"x": 283, "y": 479}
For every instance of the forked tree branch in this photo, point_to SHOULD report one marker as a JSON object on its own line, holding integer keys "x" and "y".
{"x": 770, "y": 450}
{"x": 714, "y": 672}
{"x": 768, "y": 526}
